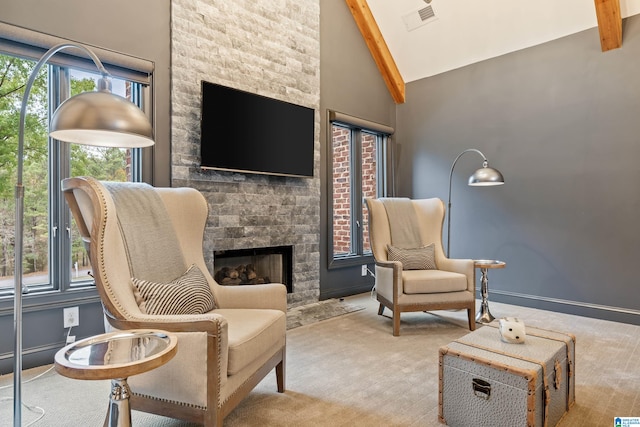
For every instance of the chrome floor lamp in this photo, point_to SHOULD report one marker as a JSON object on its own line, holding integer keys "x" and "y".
{"x": 92, "y": 118}
{"x": 485, "y": 176}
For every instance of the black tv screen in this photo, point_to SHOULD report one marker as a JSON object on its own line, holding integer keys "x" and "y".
{"x": 245, "y": 132}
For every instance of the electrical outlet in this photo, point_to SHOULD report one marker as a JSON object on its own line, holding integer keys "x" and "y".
{"x": 71, "y": 317}
{"x": 364, "y": 270}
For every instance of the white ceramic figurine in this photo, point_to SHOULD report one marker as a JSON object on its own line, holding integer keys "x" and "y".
{"x": 512, "y": 330}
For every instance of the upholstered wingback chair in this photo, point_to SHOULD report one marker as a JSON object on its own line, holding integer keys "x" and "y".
{"x": 412, "y": 271}
{"x": 145, "y": 247}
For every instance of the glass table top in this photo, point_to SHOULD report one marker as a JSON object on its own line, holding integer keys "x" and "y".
{"x": 119, "y": 348}
{"x": 117, "y": 353}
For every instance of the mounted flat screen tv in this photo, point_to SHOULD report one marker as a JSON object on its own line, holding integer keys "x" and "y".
{"x": 245, "y": 132}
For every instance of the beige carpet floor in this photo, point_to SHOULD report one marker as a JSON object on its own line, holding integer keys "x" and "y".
{"x": 350, "y": 371}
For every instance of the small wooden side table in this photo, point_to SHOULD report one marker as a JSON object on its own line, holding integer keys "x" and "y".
{"x": 116, "y": 356}
{"x": 484, "y": 315}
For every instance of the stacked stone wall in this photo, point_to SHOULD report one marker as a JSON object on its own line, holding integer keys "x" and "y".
{"x": 267, "y": 47}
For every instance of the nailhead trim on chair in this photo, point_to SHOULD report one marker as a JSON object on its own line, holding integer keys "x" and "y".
{"x": 238, "y": 388}
{"x": 235, "y": 391}
{"x": 103, "y": 278}
{"x": 106, "y": 284}
{"x": 219, "y": 376}
{"x": 118, "y": 305}
{"x": 175, "y": 402}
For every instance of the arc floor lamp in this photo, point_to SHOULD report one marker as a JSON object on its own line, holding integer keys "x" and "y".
{"x": 485, "y": 176}
{"x": 92, "y": 118}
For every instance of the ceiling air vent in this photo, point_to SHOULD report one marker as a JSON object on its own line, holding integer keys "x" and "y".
{"x": 426, "y": 13}
{"x": 418, "y": 18}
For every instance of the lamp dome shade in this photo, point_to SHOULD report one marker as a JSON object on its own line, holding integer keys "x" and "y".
{"x": 486, "y": 176}
{"x": 101, "y": 119}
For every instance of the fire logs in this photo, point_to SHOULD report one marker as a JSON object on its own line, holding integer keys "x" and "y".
{"x": 244, "y": 274}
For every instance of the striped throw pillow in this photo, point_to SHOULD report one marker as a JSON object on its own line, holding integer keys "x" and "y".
{"x": 413, "y": 259}
{"x": 188, "y": 294}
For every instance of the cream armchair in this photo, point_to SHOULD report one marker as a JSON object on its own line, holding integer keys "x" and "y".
{"x": 412, "y": 271}
{"x": 143, "y": 240}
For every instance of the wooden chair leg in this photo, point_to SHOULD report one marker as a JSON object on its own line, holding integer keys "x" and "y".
{"x": 472, "y": 320}
{"x": 215, "y": 419}
{"x": 396, "y": 323}
{"x": 380, "y": 309}
{"x": 280, "y": 376}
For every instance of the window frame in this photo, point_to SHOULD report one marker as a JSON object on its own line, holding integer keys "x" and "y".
{"x": 61, "y": 288}
{"x": 357, "y": 127}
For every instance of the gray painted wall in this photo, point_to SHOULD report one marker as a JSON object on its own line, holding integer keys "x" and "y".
{"x": 351, "y": 84}
{"x": 561, "y": 121}
{"x": 140, "y": 29}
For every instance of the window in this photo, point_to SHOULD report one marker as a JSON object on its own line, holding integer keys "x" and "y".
{"x": 54, "y": 256}
{"x": 358, "y": 167}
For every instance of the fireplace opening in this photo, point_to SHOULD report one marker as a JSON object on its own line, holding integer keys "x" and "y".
{"x": 254, "y": 266}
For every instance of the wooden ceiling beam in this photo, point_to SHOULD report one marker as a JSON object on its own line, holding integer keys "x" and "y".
{"x": 378, "y": 48}
{"x": 609, "y": 23}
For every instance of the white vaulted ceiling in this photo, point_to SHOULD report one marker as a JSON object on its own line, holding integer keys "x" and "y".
{"x": 468, "y": 31}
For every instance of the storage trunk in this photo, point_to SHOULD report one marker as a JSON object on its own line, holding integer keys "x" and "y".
{"x": 487, "y": 382}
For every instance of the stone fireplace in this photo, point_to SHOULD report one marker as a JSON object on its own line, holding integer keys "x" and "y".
{"x": 255, "y": 266}
{"x": 278, "y": 58}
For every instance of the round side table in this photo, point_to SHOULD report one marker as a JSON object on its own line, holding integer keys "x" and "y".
{"x": 484, "y": 315}
{"x": 116, "y": 356}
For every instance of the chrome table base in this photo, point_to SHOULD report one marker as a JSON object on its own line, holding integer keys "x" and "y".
{"x": 484, "y": 315}
{"x": 119, "y": 414}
